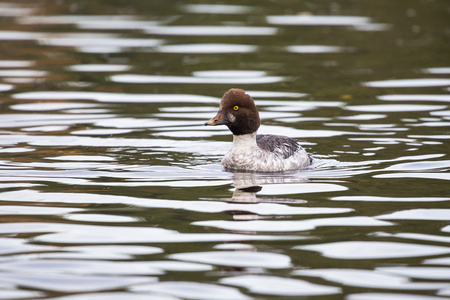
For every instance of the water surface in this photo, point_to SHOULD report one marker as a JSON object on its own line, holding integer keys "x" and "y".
{"x": 112, "y": 188}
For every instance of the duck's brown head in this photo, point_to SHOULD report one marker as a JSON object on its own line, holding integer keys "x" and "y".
{"x": 238, "y": 112}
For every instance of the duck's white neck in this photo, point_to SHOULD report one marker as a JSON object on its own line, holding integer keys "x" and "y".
{"x": 244, "y": 140}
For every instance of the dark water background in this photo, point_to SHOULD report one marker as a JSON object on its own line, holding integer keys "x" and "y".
{"x": 111, "y": 188}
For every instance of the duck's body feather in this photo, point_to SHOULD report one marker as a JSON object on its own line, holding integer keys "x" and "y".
{"x": 278, "y": 144}
{"x": 266, "y": 154}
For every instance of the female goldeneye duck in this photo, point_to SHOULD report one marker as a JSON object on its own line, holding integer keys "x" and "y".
{"x": 252, "y": 152}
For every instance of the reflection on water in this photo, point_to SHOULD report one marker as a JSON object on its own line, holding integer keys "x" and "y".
{"x": 112, "y": 188}
{"x": 210, "y": 30}
{"x": 311, "y": 20}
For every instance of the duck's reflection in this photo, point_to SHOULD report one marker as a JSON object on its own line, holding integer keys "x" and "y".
{"x": 247, "y": 185}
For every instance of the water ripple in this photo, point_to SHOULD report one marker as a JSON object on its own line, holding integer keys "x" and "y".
{"x": 369, "y": 279}
{"x": 374, "y": 250}
{"x": 147, "y": 79}
{"x": 192, "y": 290}
{"x": 72, "y": 283}
{"x": 312, "y": 20}
{"x": 112, "y": 188}
{"x": 90, "y": 234}
{"x": 237, "y": 259}
{"x": 206, "y": 48}
{"x": 286, "y": 226}
{"x": 408, "y": 83}
{"x": 210, "y": 30}
{"x": 218, "y": 9}
{"x": 271, "y": 285}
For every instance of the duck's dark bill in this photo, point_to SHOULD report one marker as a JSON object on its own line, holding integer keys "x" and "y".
{"x": 219, "y": 119}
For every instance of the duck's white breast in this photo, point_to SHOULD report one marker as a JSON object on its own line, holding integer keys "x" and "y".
{"x": 246, "y": 155}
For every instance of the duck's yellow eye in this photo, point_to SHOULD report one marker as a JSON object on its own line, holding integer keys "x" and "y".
{"x": 236, "y": 107}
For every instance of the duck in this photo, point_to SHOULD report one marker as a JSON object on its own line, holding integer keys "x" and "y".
{"x": 252, "y": 152}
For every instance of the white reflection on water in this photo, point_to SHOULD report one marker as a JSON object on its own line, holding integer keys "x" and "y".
{"x": 434, "y": 214}
{"x": 394, "y": 107}
{"x": 230, "y": 74}
{"x": 25, "y": 120}
{"x": 16, "y": 63}
{"x": 235, "y": 246}
{"x": 23, "y": 73}
{"x": 271, "y": 94}
{"x": 84, "y": 42}
{"x": 363, "y": 117}
{"x": 98, "y": 43}
{"x": 6, "y": 35}
{"x": 199, "y": 206}
{"x": 206, "y": 48}
{"x": 116, "y": 296}
{"x": 83, "y": 158}
{"x": 218, "y": 9}
{"x": 137, "y": 78}
{"x": 443, "y": 70}
{"x": 192, "y": 290}
{"x": 312, "y": 20}
{"x": 317, "y": 49}
{"x": 77, "y": 267}
{"x": 374, "y": 250}
{"x": 12, "y": 293}
{"x": 35, "y": 210}
{"x": 371, "y": 27}
{"x": 46, "y": 128}
{"x": 101, "y": 131}
{"x": 301, "y": 188}
{"x": 405, "y": 83}
{"x": 12, "y": 10}
{"x": 416, "y": 236}
{"x": 98, "y": 68}
{"x": 431, "y": 136}
{"x": 370, "y": 279}
{"x": 95, "y": 234}
{"x": 51, "y": 106}
{"x": 17, "y": 245}
{"x": 420, "y": 165}
{"x": 286, "y": 226}
{"x": 272, "y": 285}
{"x": 148, "y": 123}
{"x": 418, "y": 272}
{"x": 246, "y": 259}
{"x": 444, "y": 261}
{"x": 389, "y": 199}
{"x": 94, "y": 22}
{"x": 102, "y": 252}
{"x": 115, "y": 97}
{"x": 98, "y": 24}
{"x": 442, "y": 176}
{"x": 391, "y": 296}
{"x": 73, "y": 19}
{"x": 100, "y": 218}
{"x": 14, "y": 184}
{"x": 6, "y": 87}
{"x": 432, "y": 124}
{"x": 73, "y": 283}
{"x": 210, "y": 30}
{"x": 415, "y": 97}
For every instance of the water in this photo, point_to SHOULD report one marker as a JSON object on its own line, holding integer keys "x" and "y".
{"x": 112, "y": 188}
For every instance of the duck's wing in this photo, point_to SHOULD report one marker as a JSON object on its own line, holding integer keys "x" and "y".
{"x": 279, "y": 144}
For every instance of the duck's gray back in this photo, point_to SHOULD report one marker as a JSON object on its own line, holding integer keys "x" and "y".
{"x": 281, "y": 145}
